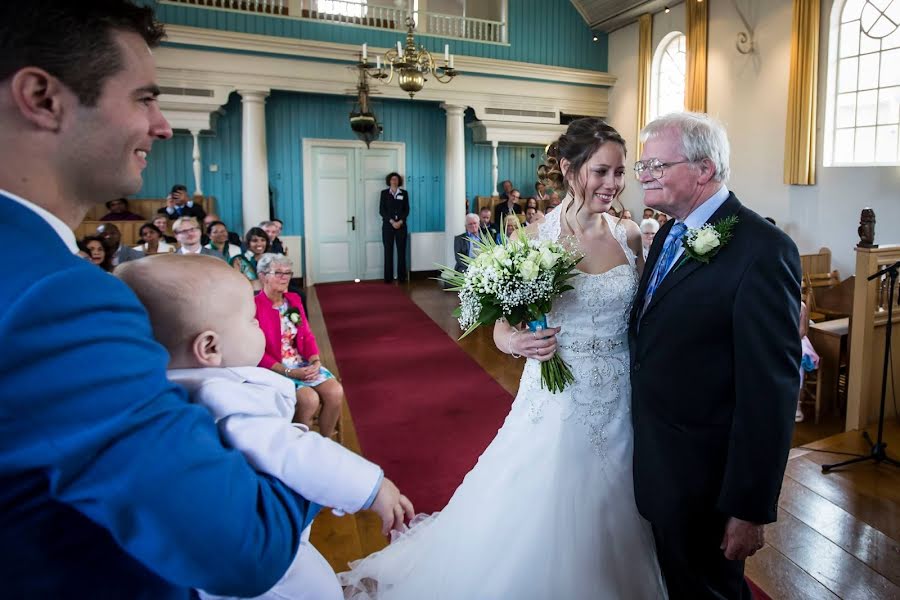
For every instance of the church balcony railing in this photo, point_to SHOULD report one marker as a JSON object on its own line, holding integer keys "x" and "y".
{"x": 361, "y": 13}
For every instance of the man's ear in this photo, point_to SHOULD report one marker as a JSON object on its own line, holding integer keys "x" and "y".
{"x": 39, "y": 97}
{"x": 707, "y": 171}
{"x": 206, "y": 349}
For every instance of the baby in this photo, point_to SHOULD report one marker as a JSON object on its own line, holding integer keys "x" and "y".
{"x": 203, "y": 312}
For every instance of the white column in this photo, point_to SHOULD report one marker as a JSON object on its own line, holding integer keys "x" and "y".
{"x": 495, "y": 169}
{"x": 255, "y": 167}
{"x": 455, "y": 178}
{"x": 198, "y": 171}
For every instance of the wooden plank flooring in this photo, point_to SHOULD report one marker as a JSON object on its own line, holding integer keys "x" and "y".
{"x": 838, "y": 535}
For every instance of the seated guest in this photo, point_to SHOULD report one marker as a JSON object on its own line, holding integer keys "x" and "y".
{"x": 506, "y": 187}
{"x": 162, "y": 223}
{"x": 511, "y": 206}
{"x": 531, "y": 215}
{"x": 152, "y": 241}
{"x": 112, "y": 239}
{"x": 662, "y": 218}
{"x": 649, "y": 227}
{"x": 626, "y": 214}
{"x": 187, "y": 232}
{"x": 202, "y": 312}
{"x": 219, "y": 241}
{"x": 613, "y": 211}
{"x": 233, "y": 238}
{"x": 540, "y": 192}
{"x": 257, "y": 243}
{"x": 291, "y": 348}
{"x": 118, "y": 211}
{"x": 178, "y": 204}
{"x": 462, "y": 244}
{"x": 554, "y": 201}
{"x": 809, "y": 359}
{"x": 649, "y": 213}
{"x": 272, "y": 229}
{"x": 487, "y": 227}
{"x": 95, "y": 251}
{"x": 511, "y": 224}
{"x": 531, "y": 203}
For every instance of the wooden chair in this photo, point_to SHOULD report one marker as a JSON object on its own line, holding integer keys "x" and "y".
{"x": 814, "y": 284}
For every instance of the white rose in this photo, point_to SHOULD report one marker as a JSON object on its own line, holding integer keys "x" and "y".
{"x": 548, "y": 258}
{"x": 707, "y": 239}
{"x": 529, "y": 270}
{"x": 499, "y": 253}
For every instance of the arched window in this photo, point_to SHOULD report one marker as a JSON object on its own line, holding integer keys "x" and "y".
{"x": 667, "y": 76}
{"x": 862, "y": 114}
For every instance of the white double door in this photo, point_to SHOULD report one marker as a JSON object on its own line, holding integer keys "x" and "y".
{"x": 342, "y": 188}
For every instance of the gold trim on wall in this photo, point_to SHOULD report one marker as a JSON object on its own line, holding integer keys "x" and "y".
{"x": 697, "y": 31}
{"x": 645, "y": 62}
{"x": 800, "y": 130}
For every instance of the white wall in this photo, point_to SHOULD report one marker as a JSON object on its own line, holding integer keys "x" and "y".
{"x": 749, "y": 94}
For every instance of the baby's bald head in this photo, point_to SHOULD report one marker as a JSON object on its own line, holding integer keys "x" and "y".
{"x": 185, "y": 295}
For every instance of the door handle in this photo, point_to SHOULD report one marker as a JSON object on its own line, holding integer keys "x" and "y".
{"x": 352, "y": 221}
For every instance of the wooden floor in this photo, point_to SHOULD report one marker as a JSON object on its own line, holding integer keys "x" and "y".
{"x": 836, "y": 536}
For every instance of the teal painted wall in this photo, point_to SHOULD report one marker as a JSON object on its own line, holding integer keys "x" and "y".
{"x": 540, "y": 31}
{"x": 290, "y": 117}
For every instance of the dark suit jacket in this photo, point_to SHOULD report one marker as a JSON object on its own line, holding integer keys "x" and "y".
{"x": 501, "y": 211}
{"x": 112, "y": 484}
{"x": 391, "y": 208}
{"x": 460, "y": 246}
{"x": 715, "y": 375}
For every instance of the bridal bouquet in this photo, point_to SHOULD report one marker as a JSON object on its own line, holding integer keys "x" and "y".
{"x": 517, "y": 279}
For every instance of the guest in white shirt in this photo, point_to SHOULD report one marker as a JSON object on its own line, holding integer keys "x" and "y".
{"x": 187, "y": 232}
{"x": 219, "y": 240}
{"x": 153, "y": 242}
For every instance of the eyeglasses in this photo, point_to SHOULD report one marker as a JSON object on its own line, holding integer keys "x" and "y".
{"x": 188, "y": 230}
{"x": 656, "y": 167}
{"x": 279, "y": 273}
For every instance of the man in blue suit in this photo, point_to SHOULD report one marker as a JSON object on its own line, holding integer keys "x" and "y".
{"x": 111, "y": 484}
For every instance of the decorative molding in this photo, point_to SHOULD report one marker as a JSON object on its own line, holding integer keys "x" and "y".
{"x": 467, "y": 65}
{"x": 531, "y": 134}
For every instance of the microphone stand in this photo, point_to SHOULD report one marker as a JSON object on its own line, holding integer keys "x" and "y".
{"x": 878, "y": 452}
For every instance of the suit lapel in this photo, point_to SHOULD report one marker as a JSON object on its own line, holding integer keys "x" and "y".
{"x": 730, "y": 207}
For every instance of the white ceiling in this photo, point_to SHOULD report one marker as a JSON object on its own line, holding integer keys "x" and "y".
{"x": 608, "y": 15}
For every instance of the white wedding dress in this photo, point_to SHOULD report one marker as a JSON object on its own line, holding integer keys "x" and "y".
{"x": 549, "y": 511}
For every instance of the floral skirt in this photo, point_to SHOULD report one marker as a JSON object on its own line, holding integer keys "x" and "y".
{"x": 324, "y": 375}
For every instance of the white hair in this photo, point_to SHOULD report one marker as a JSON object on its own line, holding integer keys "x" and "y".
{"x": 701, "y": 137}
{"x": 473, "y": 217}
{"x": 269, "y": 260}
{"x": 649, "y": 226}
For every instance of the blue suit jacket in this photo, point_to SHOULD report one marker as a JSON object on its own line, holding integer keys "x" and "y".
{"x": 111, "y": 484}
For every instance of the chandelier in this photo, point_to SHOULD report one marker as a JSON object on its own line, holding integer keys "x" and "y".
{"x": 411, "y": 65}
{"x": 363, "y": 121}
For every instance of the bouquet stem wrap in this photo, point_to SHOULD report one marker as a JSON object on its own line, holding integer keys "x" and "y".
{"x": 555, "y": 373}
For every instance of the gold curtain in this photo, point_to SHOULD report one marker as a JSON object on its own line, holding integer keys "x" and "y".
{"x": 800, "y": 135}
{"x": 645, "y": 60}
{"x": 697, "y": 31}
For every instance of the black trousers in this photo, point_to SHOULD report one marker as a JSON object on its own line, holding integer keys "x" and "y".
{"x": 392, "y": 237}
{"x": 693, "y": 565}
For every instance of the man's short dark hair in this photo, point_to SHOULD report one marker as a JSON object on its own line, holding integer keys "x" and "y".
{"x": 390, "y": 176}
{"x": 179, "y": 187}
{"x": 124, "y": 201}
{"x": 71, "y": 39}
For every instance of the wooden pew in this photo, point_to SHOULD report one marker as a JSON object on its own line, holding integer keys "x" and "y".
{"x": 147, "y": 208}
{"x": 130, "y": 230}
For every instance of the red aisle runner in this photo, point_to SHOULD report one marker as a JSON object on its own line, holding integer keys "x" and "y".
{"x": 423, "y": 409}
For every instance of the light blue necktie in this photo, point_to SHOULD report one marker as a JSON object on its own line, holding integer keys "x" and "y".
{"x": 670, "y": 248}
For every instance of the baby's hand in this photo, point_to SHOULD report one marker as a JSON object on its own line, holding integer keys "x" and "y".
{"x": 391, "y": 506}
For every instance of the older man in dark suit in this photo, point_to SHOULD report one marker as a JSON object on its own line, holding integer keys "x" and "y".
{"x": 463, "y": 244}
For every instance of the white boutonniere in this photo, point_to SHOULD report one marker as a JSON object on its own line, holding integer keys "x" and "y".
{"x": 293, "y": 315}
{"x": 703, "y": 243}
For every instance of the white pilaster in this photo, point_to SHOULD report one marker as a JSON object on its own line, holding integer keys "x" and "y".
{"x": 255, "y": 167}
{"x": 198, "y": 171}
{"x": 455, "y": 178}
{"x": 495, "y": 169}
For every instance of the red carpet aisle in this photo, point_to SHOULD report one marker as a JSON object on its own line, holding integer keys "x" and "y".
{"x": 423, "y": 409}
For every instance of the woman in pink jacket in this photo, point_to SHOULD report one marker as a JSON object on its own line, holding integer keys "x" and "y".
{"x": 291, "y": 348}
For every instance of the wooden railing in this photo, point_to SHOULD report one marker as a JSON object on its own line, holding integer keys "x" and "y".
{"x": 359, "y": 12}
{"x": 867, "y": 333}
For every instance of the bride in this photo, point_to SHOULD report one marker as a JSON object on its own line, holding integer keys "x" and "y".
{"x": 549, "y": 510}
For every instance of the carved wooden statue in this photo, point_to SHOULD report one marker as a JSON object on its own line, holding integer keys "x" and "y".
{"x": 867, "y": 229}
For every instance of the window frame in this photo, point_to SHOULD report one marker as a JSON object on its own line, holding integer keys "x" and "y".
{"x": 655, "y": 71}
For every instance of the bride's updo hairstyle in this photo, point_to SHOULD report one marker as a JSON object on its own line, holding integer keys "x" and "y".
{"x": 580, "y": 141}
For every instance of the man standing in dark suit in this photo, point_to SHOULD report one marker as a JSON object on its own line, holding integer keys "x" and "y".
{"x": 714, "y": 363}
{"x": 394, "y": 210}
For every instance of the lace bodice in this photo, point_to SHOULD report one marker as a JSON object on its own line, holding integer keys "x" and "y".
{"x": 593, "y": 340}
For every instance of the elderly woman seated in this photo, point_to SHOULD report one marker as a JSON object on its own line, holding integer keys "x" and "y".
{"x": 291, "y": 347}
{"x": 649, "y": 227}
